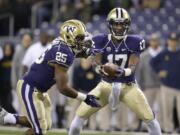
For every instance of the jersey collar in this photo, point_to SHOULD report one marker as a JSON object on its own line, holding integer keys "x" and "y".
{"x": 116, "y": 47}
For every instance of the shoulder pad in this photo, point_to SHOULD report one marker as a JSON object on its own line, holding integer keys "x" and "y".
{"x": 56, "y": 41}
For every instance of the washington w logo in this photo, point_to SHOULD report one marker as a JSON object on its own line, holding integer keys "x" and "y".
{"x": 70, "y": 28}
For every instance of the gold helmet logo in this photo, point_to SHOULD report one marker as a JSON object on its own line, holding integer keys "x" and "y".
{"x": 69, "y": 28}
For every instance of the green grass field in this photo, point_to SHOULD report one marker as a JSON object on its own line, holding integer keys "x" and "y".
{"x": 5, "y": 132}
{"x": 19, "y": 131}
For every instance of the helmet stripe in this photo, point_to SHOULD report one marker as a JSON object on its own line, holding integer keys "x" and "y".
{"x": 84, "y": 27}
{"x": 117, "y": 15}
{"x": 122, "y": 13}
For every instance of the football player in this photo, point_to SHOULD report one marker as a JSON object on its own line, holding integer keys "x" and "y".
{"x": 118, "y": 84}
{"x": 50, "y": 68}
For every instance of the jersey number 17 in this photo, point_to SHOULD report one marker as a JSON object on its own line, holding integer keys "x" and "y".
{"x": 119, "y": 59}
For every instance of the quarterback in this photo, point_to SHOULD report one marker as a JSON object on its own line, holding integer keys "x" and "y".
{"x": 50, "y": 68}
{"x": 119, "y": 56}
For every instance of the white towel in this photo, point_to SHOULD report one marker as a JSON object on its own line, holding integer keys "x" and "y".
{"x": 114, "y": 95}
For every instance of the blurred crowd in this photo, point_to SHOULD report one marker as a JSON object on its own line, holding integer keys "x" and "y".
{"x": 157, "y": 74}
{"x": 54, "y": 11}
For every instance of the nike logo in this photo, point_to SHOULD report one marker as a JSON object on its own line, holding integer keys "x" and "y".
{"x": 123, "y": 49}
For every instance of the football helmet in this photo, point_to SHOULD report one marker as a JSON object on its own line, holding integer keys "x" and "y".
{"x": 74, "y": 33}
{"x": 118, "y": 22}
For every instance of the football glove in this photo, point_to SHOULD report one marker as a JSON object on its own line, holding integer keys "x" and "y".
{"x": 92, "y": 101}
{"x": 120, "y": 72}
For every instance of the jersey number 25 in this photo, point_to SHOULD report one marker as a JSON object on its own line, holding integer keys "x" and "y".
{"x": 61, "y": 57}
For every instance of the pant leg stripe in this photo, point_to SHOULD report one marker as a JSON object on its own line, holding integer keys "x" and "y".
{"x": 28, "y": 107}
{"x": 34, "y": 110}
{"x": 24, "y": 100}
{"x": 31, "y": 107}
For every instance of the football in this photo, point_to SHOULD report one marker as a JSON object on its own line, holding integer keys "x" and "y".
{"x": 110, "y": 69}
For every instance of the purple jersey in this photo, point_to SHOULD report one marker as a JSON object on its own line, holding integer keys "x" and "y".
{"x": 41, "y": 74}
{"x": 119, "y": 54}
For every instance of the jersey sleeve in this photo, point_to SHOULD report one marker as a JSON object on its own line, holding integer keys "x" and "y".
{"x": 98, "y": 41}
{"x": 136, "y": 44}
{"x": 61, "y": 56}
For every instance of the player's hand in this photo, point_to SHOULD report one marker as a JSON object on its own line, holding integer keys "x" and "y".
{"x": 102, "y": 72}
{"x": 109, "y": 70}
{"x": 92, "y": 101}
{"x": 120, "y": 72}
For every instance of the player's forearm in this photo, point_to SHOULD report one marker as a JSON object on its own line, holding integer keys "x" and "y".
{"x": 96, "y": 62}
{"x": 131, "y": 68}
{"x": 68, "y": 91}
{"x": 72, "y": 93}
{"x": 133, "y": 62}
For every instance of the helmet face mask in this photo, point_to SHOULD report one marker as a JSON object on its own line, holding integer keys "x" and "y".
{"x": 118, "y": 28}
{"x": 79, "y": 39}
{"x": 83, "y": 42}
{"x": 118, "y": 22}
{"x": 79, "y": 42}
